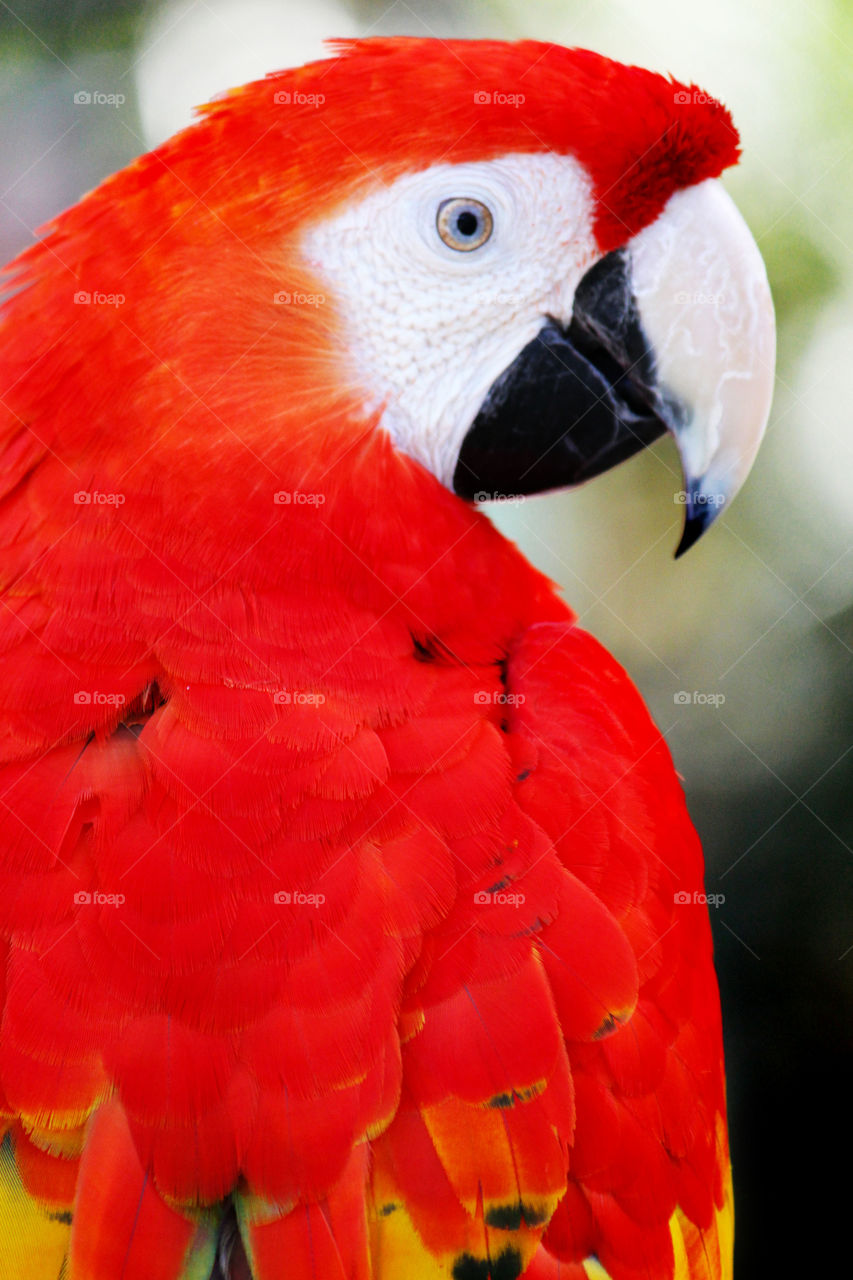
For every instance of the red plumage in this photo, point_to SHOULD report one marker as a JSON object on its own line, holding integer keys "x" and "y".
{"x": 297, "y": 906}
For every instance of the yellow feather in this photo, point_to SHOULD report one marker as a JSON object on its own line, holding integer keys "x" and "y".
{"x": 33, "y": 1239}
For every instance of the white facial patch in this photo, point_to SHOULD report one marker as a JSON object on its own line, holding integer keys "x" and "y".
{"x": 430, "y": 327}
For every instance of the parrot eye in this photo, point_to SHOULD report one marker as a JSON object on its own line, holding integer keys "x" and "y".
{"x": 463, "y": 223}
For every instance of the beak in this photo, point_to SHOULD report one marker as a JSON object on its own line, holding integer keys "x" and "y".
{"x": 702, "y": 291}
{"x": 674, "y": 332}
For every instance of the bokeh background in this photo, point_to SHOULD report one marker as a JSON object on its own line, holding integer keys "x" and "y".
{"x": 758, "y": 615}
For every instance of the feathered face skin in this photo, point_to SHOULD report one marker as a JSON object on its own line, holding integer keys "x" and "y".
{"x": 506, "y": 369}
{"x": 342, "y": 877}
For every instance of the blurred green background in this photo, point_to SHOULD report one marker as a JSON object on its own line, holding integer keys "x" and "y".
{"x": 758, "y": 614}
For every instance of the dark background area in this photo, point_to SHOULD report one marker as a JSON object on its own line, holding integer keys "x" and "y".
{"x": 758, "y": 614}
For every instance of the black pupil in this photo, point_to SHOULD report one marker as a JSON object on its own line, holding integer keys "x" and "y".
{"x": 467, "y": 223}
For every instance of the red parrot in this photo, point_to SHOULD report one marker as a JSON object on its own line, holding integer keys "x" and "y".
{"x": 348, "y": 898}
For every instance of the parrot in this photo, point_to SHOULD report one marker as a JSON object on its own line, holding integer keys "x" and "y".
{"x": 352, "y": 918}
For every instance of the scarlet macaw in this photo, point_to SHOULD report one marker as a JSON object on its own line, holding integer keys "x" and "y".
{"x": 347, "y": 889}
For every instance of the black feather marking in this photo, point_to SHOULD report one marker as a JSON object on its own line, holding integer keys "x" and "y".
{"x": 506, "y": 1266}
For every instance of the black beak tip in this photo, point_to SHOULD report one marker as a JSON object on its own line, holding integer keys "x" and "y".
{"x": 695, "y": 524}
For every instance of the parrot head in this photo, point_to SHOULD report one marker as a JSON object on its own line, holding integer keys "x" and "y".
{"x": 561, "y": 280}
{"x": 512, "y": 262}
